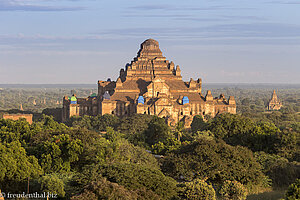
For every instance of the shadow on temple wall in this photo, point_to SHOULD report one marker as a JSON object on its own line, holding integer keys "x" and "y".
{"x": 142, "y": 85}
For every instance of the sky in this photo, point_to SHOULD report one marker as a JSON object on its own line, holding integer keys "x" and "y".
{"x": 82, "y": 41}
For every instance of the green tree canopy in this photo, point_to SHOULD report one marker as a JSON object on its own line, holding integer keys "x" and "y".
{"x": 104, "y": 189}
{"x": 197, "y": 190}
{"x": 240, "y": 130}
{"x": 133, "y": 177}
{"x": 16, "y": 166}
{"x": 53, "y": 184}
{"x": 278, "y": 169}
{"x": 198, "y": 124}
{"x": 233, "y": 190}
{"x": 57, "y": 154}
{"x": 214, "y": 160}
{"x": 157, "y": 131}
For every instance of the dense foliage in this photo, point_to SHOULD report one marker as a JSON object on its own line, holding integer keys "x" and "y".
{"x": 293, "y": 191}
{"x": 132, "y": 176}
{"x": 197, "y": 189}
{"x": 233, "y": 190}
{"x": 214, "y": 160}
{"x": 141, "y": 157}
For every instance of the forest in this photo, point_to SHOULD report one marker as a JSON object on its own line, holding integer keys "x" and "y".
{"x": 254, "y": 154}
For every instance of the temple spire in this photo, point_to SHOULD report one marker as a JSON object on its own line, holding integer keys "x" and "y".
{"x": 274, "y": 95}
{"x": 150, "y": 63}
{"x": 150, "y": 49}
{"x": 274, "y": 103}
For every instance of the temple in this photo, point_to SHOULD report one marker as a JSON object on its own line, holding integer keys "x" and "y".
{"x": 274, "y": 103}
{"x": 152, "y": 85}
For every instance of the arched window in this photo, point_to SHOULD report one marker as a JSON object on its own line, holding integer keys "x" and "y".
{"x": 141, "y": 100}
{"x": 185, "y": 100}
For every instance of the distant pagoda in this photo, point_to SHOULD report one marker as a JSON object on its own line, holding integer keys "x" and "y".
{"x": 274, "y": 103}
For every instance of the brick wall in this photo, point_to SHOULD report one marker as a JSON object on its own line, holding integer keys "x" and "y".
{"x": 28, "y": 117}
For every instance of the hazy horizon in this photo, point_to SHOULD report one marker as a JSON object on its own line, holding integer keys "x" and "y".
{"x": 83, "y": 41}
{"x": 204, "y": 85}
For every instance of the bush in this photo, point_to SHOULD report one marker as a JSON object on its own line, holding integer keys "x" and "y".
{"x": 233, "y": 190}
{"x": 197, "y": 189}
{"x": 293, "y": 191}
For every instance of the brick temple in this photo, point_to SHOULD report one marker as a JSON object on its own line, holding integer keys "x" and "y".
{"x": 152, "y": 85}
{"x": 274, "y": 103}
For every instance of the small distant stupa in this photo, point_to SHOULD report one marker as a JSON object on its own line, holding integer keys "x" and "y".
{"x": 21, "y": 107}
{"x": 274, "y": 103}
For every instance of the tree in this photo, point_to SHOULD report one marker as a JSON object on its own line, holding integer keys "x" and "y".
{"x": 86, "y": 194}
{"x": 197, "y": 189}
{"x": 131, "y": 176}
{"x": 197, "y": 124}
{"x": 214, "y": 160}
{"x": 289, "y": 145}
{"x": 240, "y": 130}
{"x": 227, "y": 126}
{"x": 11, "y": 130}
{"x": 81, "y": 121}
{"x": 112, "y": 135}
{"x": 179, "y": 129}
{"x": 50, "y": 125}
{"x": 157, "y": 131}
{"x": 102, "y": 122}
{"x": 57, "y": 154}
{"x": 16, "y": 166}
{"x": 134, "y": 127}
{"x": 233, "y": 190}
{"x": 262, "y": 137}
{"x": 99, "y": 122}
{"x": 104, "y": 189}
{"x": 53, "y": 184}
{"x": 114, "y": 149}
{"x": 278, "y": 169}
{"x": 162, "y": 148}
{"x": 246, "y": 102}
{"x": 293, "y": 191}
